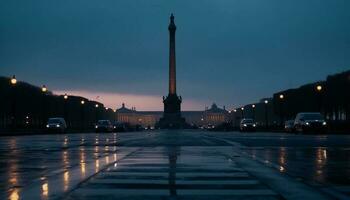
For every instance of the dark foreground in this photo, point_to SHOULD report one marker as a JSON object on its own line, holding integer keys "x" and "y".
{"x": 175, "y": 165}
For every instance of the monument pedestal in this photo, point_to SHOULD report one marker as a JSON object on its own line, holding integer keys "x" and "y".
{"x": 172, "y": 113}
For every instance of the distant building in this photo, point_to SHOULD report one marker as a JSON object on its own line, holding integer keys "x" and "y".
{"x": 215, "y": 115}
{"x": 212, "y": 116}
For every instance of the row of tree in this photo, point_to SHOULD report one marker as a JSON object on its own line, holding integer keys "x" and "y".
{"x": 330, "y": 97}
{"x": 24, "y": 106}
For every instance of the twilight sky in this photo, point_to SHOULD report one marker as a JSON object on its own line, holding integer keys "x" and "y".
{"x": 231, "y": 52}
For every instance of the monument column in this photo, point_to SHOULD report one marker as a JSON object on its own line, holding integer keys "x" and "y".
{"x": 172, "y": 103}
{"x": 172, "y": 60}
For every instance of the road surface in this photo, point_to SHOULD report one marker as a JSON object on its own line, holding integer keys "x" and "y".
{"x": 175, "y": 165}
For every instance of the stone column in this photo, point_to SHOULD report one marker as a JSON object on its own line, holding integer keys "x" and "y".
{"x": 172, "y": 62}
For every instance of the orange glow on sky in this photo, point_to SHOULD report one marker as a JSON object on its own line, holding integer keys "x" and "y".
{"x": 141, "y": 102}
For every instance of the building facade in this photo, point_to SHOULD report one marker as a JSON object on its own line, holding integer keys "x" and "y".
{"x": 212, "y": 116}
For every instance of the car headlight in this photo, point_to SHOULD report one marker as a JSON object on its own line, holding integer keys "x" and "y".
{"x": 245, "y": 125}
{"x": 57, "y": 125}
{"x": 47, "y": 126}
{"x": 324, "y": 123}
{"x": 307, "y": 123}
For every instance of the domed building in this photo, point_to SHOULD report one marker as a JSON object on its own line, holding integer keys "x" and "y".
{"x": 212, "y": 116}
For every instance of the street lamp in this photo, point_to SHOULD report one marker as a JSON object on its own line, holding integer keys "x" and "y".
{"x": 44, "y": 106}
{"x": 266, "y": 115}
{"x": 281, "y": 109}
{"x": 13, "y": 80}
{"x": 44, "y": 89}
{"x": 96, "y": 112}
{"x": 115, "y": 115}
{"x": 65, "y": 97}
{"x": 242, "y": 111}
{"x": 82, "y": 102}
{"x": 319, "y": 88}
{"x": 253, "y": 107}
{"x": 319, "y": 91}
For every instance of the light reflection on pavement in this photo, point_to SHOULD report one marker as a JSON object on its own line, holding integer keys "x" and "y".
{"x": 52, "y": 166}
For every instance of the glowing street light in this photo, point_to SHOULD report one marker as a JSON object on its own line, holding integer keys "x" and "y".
{"x": 13, "y": 80}
{"x": 242, "y": 112}
{"x": 281, "y": 110}
{"x": 44, "y": 89}
{"x": 234, "y": 110}
{"x": 96, "y": 105}
{"x": 319, "y": 90}
{"x": 266, "y": 114}
{"x": 82, "y": 102}
{"x": 253, "y": 106}
{"x": 44, "y": 111}
{"x": 65, "y": 97}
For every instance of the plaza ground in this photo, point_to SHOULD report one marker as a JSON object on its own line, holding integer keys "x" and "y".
{"x": 175, "y": 165}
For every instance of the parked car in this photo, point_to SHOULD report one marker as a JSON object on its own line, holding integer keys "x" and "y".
{"x": 56, "y": 124}
{"x": 289, "y": 126}
{"x": 103, "y": 126}
{"x": 310, "y": 122}
{"x": 119, "y": 127}
{"x": 247, "y": 125}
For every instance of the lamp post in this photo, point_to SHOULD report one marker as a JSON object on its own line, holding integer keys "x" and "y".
{"x": 13, "y": 82}
{"x": 253, "y": 107}
{"x": 115, "y": 115}
{"x": 65, "y": 98}
{"x": 281, "y": 97}
{"x": 319, "y": 90}
{"x": 266, "y": 115}
{"x": 96, "y": 112}
{"x": 44, "y": 106}
{"x": 44, "y": 89}
{"x": 82, "y": 102}
{"x": 235, "y": 118}
{"x": 242, "y": 112}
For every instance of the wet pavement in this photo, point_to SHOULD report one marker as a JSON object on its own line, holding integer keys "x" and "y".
{"x": 175, "y": 165}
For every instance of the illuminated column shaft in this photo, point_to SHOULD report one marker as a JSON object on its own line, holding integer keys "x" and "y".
{"x": 172, "y": 62}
